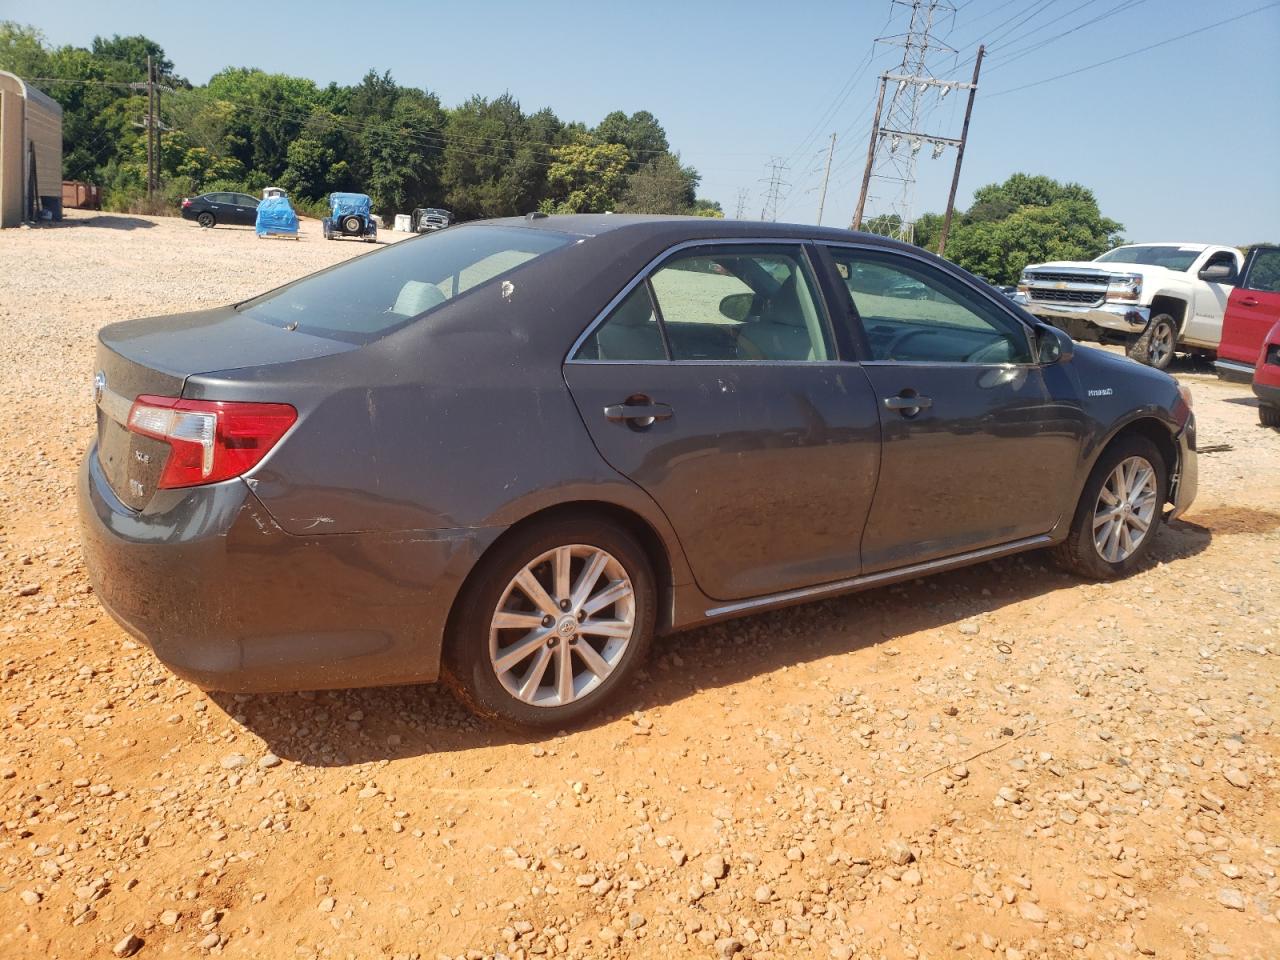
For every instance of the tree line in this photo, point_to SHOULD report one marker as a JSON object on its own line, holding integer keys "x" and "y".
{"x": 1024, "y": 220}
{"x": 246, "y": 129}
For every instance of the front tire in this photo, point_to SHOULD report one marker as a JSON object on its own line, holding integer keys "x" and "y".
{"x": 1119, "y": 512}
{"x": 553, "y": 625}
{"x": 1155, "y": 347}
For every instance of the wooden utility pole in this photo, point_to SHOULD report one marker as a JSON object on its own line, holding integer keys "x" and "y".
{"x": 151, "y": 126}
{"x": 822, "y": 200}
{"x": 871, "y": 159}
{"x": 964, "y": 137}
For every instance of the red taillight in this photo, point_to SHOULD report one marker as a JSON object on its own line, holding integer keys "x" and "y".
{"x": 210, "y": 440}
{"x": 186, "y": 201}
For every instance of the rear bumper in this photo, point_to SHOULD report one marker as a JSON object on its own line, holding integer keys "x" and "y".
{"x": 228, "y": 600}
{"x": 1186, "y": 479}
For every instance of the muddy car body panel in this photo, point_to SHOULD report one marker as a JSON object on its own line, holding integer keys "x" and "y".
{"x": 425, "y": 435}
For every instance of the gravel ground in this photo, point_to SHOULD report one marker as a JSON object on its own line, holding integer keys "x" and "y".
{"x": 1000, "y": 762}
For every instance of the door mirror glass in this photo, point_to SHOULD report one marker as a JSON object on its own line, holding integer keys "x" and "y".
{"x": 1054, "y": 345}
{"x": 736, "y": 307}
{"x": 1218, "y": 273}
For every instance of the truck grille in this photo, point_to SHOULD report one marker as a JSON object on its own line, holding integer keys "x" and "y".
{"x": 1078, "y": 289}
{"x": 1066, "y": 296}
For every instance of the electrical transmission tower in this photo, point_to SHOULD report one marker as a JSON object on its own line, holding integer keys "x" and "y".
{"x": 896, "y": 135}
{"x": 743, "y": 195}
{"x": 773, "y": 191}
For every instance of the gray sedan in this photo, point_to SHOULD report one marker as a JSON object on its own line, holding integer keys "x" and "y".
{"x": 509, "y": 453}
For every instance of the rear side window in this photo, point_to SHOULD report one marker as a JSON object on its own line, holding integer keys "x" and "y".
{"x": 370, "y": 296}
{"x": 729, "y": 303}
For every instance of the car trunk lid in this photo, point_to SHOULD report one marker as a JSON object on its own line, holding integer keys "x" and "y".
{"x": 155, "y": 357}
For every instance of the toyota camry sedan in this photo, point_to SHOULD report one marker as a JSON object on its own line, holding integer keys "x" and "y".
{"x": 508, "y": 454}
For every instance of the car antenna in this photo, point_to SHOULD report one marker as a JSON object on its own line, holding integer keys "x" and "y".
{"x": 535, "y": 215}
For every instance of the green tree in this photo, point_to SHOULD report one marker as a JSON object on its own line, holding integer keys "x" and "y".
{"x": 660, "y": 186}
{"x": 640, "y": 133}
{"x": 1063, "y": 230}
{"x": 586, "y": 177}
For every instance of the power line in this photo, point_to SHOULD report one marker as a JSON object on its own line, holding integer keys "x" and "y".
{"x": 1130, "y": 53}
{"x": 1122, "y": 8}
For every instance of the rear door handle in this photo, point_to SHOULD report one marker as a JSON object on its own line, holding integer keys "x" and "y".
{"x": 908, "y": 404}
{"x": 638, "y": 412}
{"x": 1249, "y": 302}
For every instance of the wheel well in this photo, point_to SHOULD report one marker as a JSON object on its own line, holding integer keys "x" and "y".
{"x": 1173, "y": 306}
{"x": 1159, "y": 434}
{"x": 648, "y": 538}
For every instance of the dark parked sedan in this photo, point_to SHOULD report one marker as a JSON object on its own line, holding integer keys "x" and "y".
{"x": 508, "y": 453}
{"x": 211, "y": 209}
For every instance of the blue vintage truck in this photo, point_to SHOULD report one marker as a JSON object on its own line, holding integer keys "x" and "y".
{"x": 350, "y": 216}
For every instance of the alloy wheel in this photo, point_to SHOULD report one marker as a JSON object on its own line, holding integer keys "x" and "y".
{"x": 562, "y": 625}
{"x": 1125, "y": 509}
{"x": 1160, "y": 349}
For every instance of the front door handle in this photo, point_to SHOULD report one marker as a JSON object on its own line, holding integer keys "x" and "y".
{"x": 1249, "y": 302}
{"x": 638, "y": 411}
{"x": 907, "y": 403}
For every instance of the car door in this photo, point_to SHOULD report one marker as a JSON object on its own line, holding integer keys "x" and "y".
{"x": 712, "y": 382}
{"x": 246, "y": 208}
{"x": 1204, "y": 327}
{"x": 981, "y": 444}
{"x": 1252, "y": 309}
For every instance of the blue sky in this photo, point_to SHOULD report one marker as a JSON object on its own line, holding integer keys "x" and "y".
{"x": 1179, "y": 143}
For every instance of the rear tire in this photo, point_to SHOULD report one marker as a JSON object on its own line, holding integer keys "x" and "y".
{"x": 1102, "y": 505}
{"x": 504, "y": 656}
{"x": 1157, "y": 344}
{"x": 207, "y": 220}
{"x": 1268, "y": 415}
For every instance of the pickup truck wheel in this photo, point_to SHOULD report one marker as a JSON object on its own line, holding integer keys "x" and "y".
{"x": 1269, "y": 415}
{"x": 1119, "y": 512}
{"x": 1155, "y": 346}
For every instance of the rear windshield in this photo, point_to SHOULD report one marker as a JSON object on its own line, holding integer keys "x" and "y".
{"x": 1154, "y": 255}
{"x": 372, "y": 295}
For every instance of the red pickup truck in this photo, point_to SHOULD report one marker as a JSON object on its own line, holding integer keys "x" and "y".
{"x": 1250, "y": 347}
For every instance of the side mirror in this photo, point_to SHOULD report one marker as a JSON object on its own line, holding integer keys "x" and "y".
{"x": 737, "y": 306}
{"x": 1218, "y": 273}
{"x": 1054, "y": 345}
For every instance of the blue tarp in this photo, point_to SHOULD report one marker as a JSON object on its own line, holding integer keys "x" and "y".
{"x": 275, "y": 215}
{"x": 342, "y": 204}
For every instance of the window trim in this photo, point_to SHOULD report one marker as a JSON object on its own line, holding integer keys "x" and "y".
{"x": 1002, "y": 308}
{"x": 816, "y": 271}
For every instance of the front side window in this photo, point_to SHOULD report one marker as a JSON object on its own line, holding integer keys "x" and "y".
{"x": 1264, "y": 274}
{"x": 912, "y": 312}
{"x": 368, "y": 297}
{"x": 728, "y": 303}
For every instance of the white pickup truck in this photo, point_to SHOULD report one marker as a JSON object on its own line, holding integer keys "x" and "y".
{"x": 1155, "y": 298}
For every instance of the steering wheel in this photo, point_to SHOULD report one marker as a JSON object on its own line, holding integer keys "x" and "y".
{"x": 997, "y": 351}
{"x": 899, "y": 340}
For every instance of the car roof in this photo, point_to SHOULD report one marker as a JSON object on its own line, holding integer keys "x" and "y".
{"x": 676, "y": 228}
